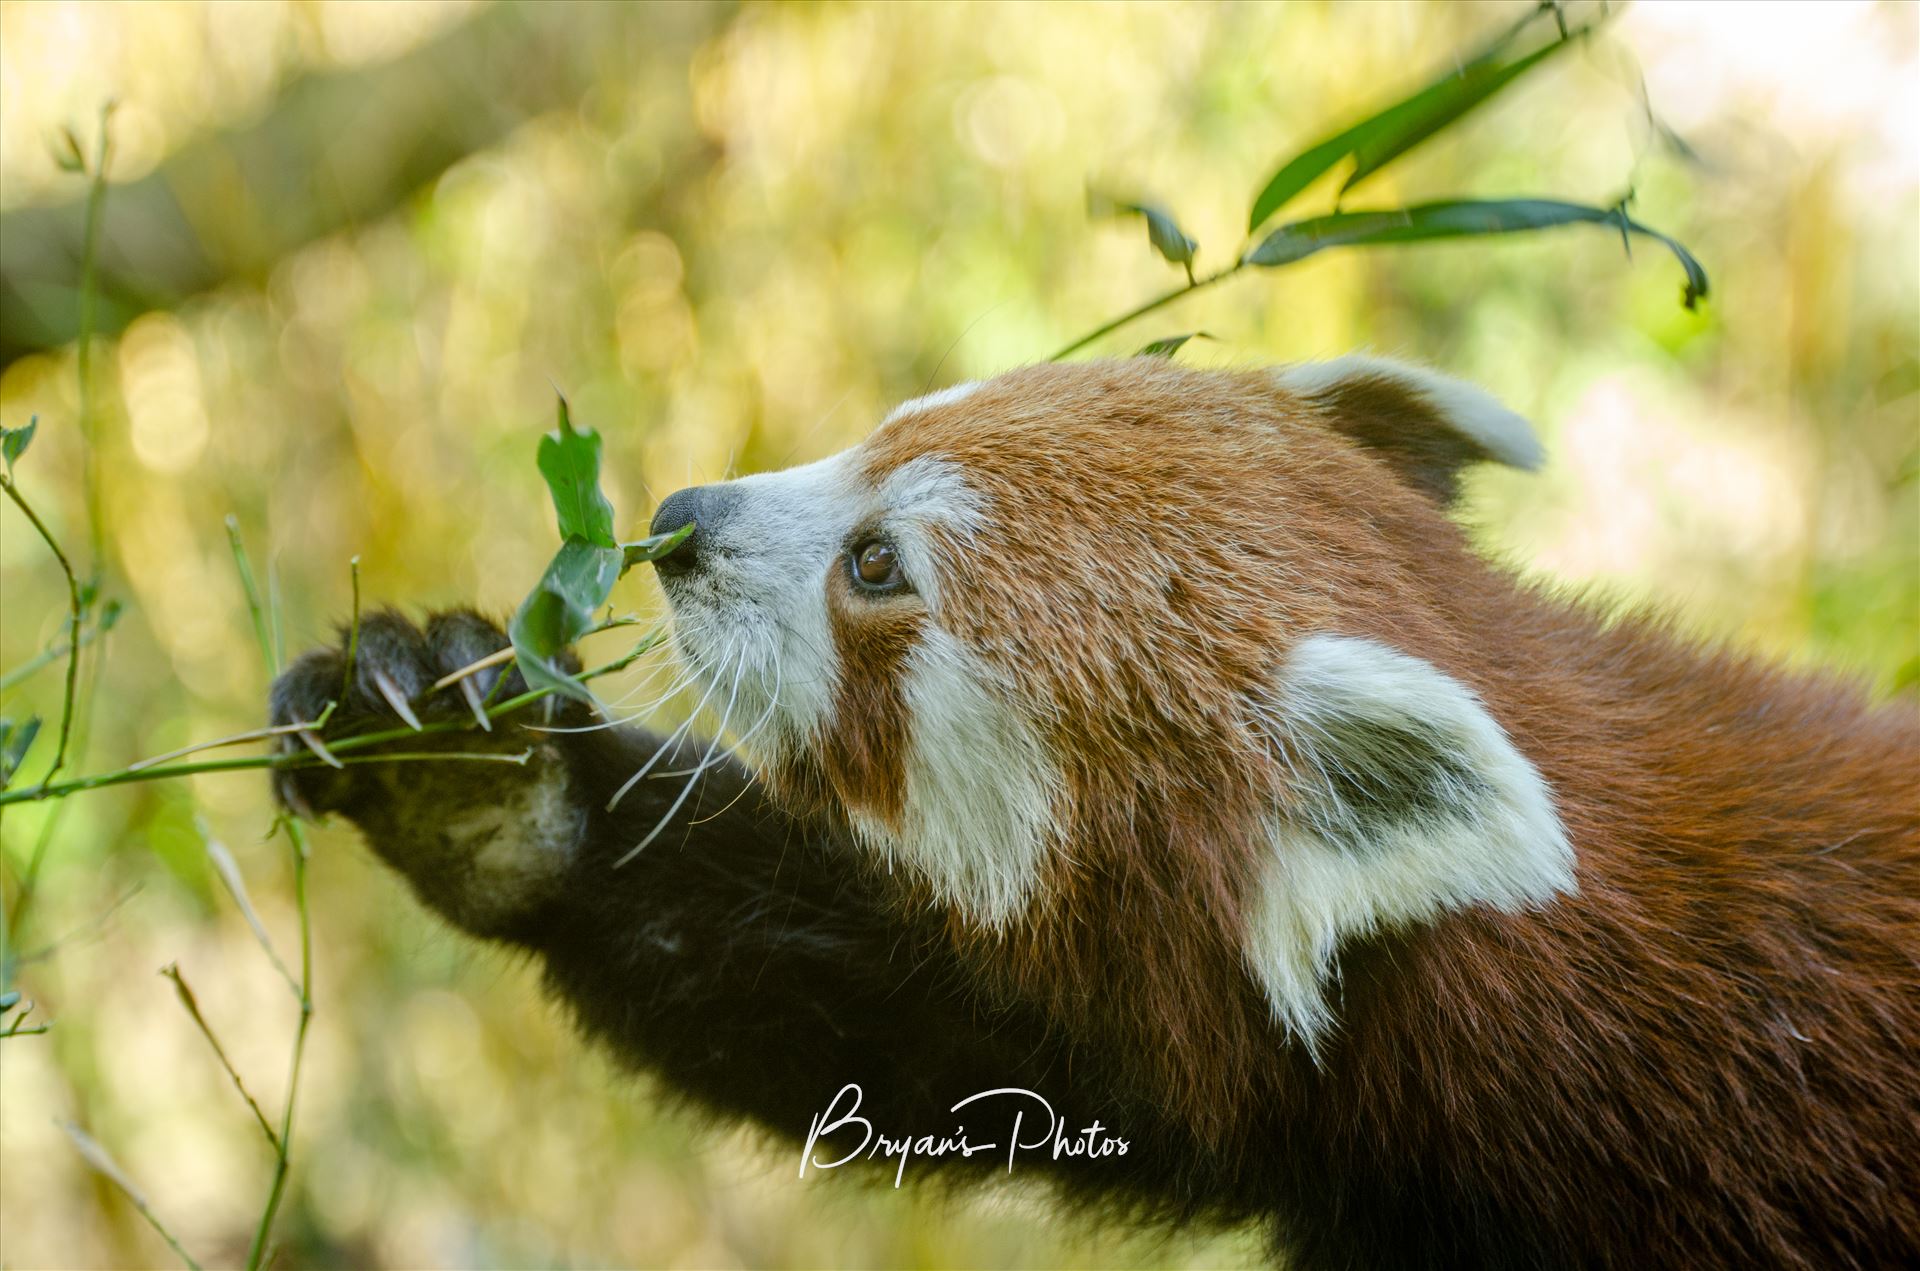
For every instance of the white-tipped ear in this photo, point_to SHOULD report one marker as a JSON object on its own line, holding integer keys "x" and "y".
{"x": 933, "y": 401}
{"x": 1405, "y": 800}
{"x": 1424, "y": 424}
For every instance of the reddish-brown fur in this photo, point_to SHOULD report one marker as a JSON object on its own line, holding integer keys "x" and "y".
{"x": 863, "y": 758}
{"x": 1714, "y": 1038}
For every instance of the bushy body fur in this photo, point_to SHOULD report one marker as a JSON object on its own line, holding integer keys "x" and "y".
{"x": 1426, "y": 918}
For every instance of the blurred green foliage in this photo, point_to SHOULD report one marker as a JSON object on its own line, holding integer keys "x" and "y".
{"x": 734, "y": 237}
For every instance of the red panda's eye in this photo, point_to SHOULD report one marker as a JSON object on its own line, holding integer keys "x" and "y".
{"x": 877, "y": 565}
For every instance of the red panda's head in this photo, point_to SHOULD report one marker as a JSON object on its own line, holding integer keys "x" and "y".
{"x": 1136, "y": 669}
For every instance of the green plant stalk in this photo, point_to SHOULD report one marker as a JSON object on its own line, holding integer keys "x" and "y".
{"x": 129, "y": 776}
{"x": 297, "y": 841}
{"x": 353, "y": 634}
{"x": 41, "y": 660}
{"x": 275, "y": 616}
{"x": 89, "y": 299}
{"x": 1142, "y": 311}
{"x": 153, "y": 1220}
{"x": 74, "y": 716}
{"x": 97, "y": 1158}
{"x": 192, "y": 1005}
{"x": 102, "y": 781}
{"x": 75, "y": 610}
{"x": 30, "y": 877}
{"x": 283, "y": 1142}
{"x": 11, "y": 1001}
{"x": 247, "y": 583}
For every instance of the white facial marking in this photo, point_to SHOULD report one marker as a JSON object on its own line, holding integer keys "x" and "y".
{"x": 1408, "y": 802}
{"x": 754, "y": 614}
{"x": 918, "y": 495}
{"x": 1469, "y": 411}
{"x": 980, "y": 791}
{"x": 945, "y": 397}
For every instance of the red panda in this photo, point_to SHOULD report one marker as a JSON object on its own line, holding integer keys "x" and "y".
{"x": 1181, "y": 699}
{"x": 1152, "y": 738}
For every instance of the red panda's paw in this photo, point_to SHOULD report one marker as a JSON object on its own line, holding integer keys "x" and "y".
{"x": 389, "y": 677}
{"x": 475, "y": 808}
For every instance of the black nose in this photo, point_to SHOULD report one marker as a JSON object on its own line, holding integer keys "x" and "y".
{"x": 700, "y": 506}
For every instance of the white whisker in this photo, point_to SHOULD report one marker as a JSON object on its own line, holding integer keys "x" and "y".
{"x": 668, "y": 694}
{"x": 693, "y": 780}
{"x": 671, "y": 738}
{"x": 680, "y": 685}
{"x": 739, "y": 741}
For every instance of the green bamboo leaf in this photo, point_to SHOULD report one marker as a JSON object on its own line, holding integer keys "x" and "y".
{"x": 14, "y": 441}
{"x": 1170, "y": 345}
{"x": 560, "y": 610}
{"x": 1298, "y": 173}
{"x": 570, "y": 461}
{"x": 15, "y": 741}
{"x": 1386, "y": 135}
{"x": 653, "y": 547}
{"x": 1162, "y": 230}
{"x": 1463, "y": 218}
{"x": 1435, "y": 108}
{"x": 67, "y": 154}
{"x": 1168, "y": 238}
{"x": 1908, "y": 676}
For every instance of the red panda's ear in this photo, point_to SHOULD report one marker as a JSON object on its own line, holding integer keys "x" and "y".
{"x": 1402, "y": 800}
{"x": 1425, "y": 426}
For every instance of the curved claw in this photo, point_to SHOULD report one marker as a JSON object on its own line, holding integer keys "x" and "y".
{"x": 471, "y": 691}
{"x": 289, "y": 791}
{"x": 312, "y": 741}
{"x": 395, "y": 698}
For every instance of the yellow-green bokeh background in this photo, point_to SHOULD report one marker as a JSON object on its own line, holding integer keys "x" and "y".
{"x": 735, "y": 249}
